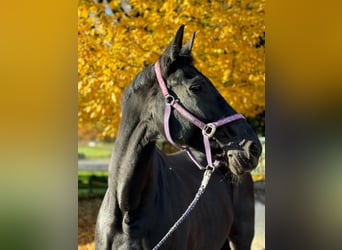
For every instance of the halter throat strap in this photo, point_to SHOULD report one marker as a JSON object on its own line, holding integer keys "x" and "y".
{"x": 208, "y": 130}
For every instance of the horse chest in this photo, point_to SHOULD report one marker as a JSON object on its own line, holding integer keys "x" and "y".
{"x": 206, "y": 227}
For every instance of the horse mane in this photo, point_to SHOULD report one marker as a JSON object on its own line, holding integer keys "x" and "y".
{"x": 181, "y": 62}
{"x": 143, "y": 79}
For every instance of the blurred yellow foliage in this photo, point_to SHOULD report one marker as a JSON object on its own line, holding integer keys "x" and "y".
{"x": 115, "y": 42}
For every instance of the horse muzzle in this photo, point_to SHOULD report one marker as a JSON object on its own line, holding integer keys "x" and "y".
{"x": 243, "y": 157}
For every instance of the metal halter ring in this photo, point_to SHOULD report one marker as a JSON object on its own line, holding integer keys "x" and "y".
{"x": 209, "y": 130}
{"x": 169, "y": 99}
{"x": 210, "y": 168}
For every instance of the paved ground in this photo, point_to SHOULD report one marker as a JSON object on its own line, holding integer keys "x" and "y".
{"x": 93, "y": 165}
{"x": 259, "y": 238}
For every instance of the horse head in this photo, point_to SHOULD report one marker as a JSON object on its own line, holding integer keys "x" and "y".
{"x": 233, "y": 144}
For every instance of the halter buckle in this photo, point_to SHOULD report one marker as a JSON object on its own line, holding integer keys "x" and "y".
{"x": 209, "y": 130}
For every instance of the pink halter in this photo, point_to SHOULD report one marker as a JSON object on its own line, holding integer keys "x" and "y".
{"x": 208, "y": 130}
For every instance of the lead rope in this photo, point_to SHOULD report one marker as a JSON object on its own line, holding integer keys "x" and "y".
{"x": 205, "y": 180}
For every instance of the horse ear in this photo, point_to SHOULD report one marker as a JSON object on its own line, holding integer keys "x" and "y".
{"x": 174, "y": 48}
{"x": 186, "y": 49}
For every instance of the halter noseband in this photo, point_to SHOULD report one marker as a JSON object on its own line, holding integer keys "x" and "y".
{"x": 208, "y": 130}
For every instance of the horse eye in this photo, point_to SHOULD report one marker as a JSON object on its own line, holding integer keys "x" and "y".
{"x": 195, "y": 88}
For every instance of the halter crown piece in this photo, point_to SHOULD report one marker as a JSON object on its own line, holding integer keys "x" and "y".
{"x": 208, "y": 130}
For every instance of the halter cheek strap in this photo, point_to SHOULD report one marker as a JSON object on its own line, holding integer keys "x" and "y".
{"x": 208, "y": 130}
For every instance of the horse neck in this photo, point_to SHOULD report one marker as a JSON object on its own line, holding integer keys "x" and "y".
{"x": 131, "y": 172}
{"x": 131, "y": 168}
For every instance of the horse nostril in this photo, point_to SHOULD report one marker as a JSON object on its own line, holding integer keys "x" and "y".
{"x": 254, "y": 148}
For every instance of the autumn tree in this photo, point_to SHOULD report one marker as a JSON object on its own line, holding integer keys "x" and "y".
{"x": 116, "y": 40}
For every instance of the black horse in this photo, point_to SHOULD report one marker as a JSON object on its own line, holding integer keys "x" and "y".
{"x": 148, "y": 190}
